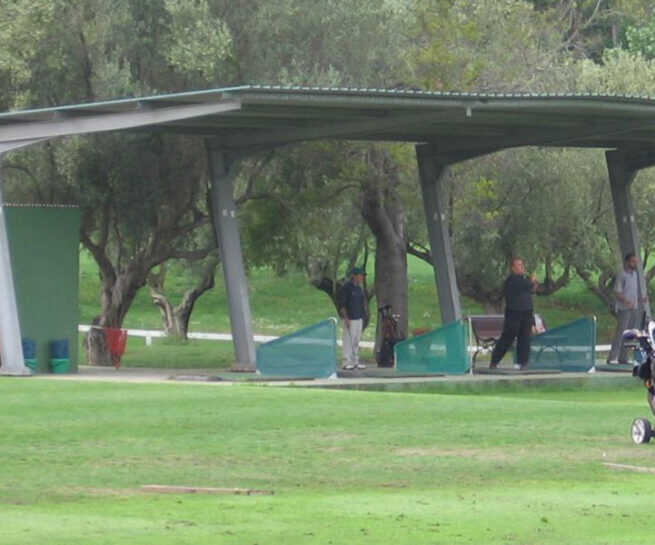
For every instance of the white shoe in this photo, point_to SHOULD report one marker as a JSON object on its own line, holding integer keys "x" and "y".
{"x": 360, "y": 366}
{"x": 348, "y": 367}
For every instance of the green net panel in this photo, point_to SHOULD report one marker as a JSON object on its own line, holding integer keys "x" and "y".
{"x": 444, "y": 350}
{"x": 308, "y": 353}
{"x": 571, "y": 347}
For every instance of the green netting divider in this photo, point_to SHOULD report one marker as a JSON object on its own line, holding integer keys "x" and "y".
{"x": 308, "y": 353}
{"x": 444, "y": 350}
{"x": 570, "y": 347}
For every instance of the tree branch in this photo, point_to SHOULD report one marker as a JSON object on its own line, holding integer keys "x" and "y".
{"x": 252, "y": 178}
{"x": 599, "y": 289}
{"x": 417, "y": 250}
{"x": 191, "y": 255}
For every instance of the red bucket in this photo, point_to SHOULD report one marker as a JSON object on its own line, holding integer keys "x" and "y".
{"x": 116, "y": 342}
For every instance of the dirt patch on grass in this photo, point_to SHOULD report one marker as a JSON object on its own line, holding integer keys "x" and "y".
{"x": 400, "y": 484}
{"x": 337, "y": 437}
{"x": 632, "y": 452}
{"x": 333, "y": 442}
{"x": 332, "y": 449}
{"x": 95, "y": 491}
{"x": 476, "y": 454}
{"x": 622, "y": 454}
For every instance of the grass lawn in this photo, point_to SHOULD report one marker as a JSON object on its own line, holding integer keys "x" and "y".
{"x": 346, "y": 467}
{"x": 171, "y": 354}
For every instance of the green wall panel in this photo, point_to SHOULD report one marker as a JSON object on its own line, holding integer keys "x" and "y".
{"x": 44, "y": 246}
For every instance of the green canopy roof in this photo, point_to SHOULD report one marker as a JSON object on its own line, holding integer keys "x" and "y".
{"x": 460, "y": 125}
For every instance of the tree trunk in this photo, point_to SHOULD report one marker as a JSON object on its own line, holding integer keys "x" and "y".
{"x": 96, "y": 345}
{"x": 391, "y": 280}
{"x": 117, "y": 296}
{"x": 330, "y": 288}
{"x": 176, "y": 318}
{"x": 167, "y": 311}
{"x": 602, "y": 287}
{"x": 383, "y": 211}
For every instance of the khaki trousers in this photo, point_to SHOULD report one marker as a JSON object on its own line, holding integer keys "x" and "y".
{"x": 351, "y": 337}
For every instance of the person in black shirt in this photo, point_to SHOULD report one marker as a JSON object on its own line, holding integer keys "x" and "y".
{"x": 353, "y": 310}
{"x": 519, "y": 314}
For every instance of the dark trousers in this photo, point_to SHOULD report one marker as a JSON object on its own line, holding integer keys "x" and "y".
{"x": 518, "y": 325}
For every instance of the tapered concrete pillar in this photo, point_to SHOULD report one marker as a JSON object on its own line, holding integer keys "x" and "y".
{"x": 621, "y": 178}
{"x": 222, "y": 172}
{"x": 431, "y": 174}
{"x": 11, "y": 347}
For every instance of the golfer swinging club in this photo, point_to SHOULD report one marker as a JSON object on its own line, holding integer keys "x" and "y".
{"x": 519, "y": 314}
{"x": 353, "y": 310}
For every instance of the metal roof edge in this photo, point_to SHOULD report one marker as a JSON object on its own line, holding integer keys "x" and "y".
{"x": 125, "y": 100}
{"x": 37, "y": 205}
{"x": 341, "y": 91}
{"x": 450, "y": 94}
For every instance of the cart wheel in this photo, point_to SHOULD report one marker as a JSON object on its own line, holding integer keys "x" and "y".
{"x": 641, "y": 431}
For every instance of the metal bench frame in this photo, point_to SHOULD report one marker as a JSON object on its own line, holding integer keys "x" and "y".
{"x": 486, "y": 344}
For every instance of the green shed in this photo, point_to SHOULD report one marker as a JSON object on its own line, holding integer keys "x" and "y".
{"x": 44, "y": 248}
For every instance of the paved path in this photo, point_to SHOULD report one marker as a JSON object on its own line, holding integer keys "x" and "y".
{"x": 134, "y": 374}
{"x": 209, "y": 377}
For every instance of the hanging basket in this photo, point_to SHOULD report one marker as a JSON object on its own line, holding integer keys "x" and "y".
{"x": 116, "y": 342}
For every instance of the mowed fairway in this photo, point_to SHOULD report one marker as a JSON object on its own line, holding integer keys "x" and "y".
{"x": 346, "y": 467}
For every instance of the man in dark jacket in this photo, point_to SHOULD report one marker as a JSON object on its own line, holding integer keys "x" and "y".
{"x": 519, "y": 314}
{"x": 353, "y": 310}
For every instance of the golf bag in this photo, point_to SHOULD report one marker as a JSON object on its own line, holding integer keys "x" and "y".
{"x": 643, "y": 343}
{"x": 389, "y": 336}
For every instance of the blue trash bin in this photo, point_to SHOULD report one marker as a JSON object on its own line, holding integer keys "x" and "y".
{"x": 29, "y": 349}
{"x": 59, "y": 349}
{"x": 29, "y": 354}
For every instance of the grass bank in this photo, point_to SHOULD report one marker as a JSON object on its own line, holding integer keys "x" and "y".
{"x": 346, "y": 467}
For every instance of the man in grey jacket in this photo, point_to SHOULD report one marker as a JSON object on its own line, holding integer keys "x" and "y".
{"x": 629, "y": 306}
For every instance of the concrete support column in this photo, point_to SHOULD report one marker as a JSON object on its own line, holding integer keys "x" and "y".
{"x": 222, "y": 171}
{"x": 11, "y": 346}
{"x": 621, "y": 177}
{"x": 431, "y": 174}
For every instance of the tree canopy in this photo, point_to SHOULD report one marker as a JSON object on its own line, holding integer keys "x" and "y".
{"x": 322, "y": 207}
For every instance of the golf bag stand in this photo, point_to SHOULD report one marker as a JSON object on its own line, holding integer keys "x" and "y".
{"x": 389, "y": 336}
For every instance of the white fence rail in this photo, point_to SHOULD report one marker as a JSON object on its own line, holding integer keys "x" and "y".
{"x": 149, "y": 334}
